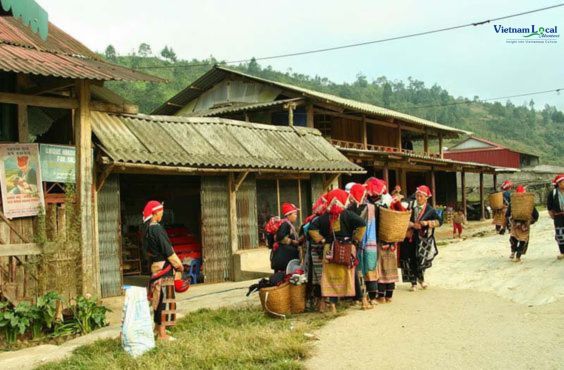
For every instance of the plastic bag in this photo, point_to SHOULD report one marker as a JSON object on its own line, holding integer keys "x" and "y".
{"x": 137, "y": 326}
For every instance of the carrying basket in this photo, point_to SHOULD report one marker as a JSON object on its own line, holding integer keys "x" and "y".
{"x": 393, "y": 225}
{"x": 276, "y": 300}
{"x": 522, "y": 205}
{"x": 496, "y": 200}
{"x": 297, "y": 298}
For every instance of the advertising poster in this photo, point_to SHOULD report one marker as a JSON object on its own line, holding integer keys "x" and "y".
{"x": 20, "y": 180}
{"x": 57, "y": 163}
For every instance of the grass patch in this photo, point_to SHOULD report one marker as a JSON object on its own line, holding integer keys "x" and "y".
{"x": 225, "y": 338}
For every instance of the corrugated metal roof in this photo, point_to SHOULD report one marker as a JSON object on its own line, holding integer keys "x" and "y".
{"x": 216, "y": 143}
{"x": 242, "y": 107}
{"x": 23, "y": 51}
{"x": 218, "y": 73}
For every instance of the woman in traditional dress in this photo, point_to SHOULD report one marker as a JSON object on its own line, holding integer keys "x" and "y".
{"x": 419, "y": 248}
{"x": 346, "y": 226}
{"x": 164, "y": 262}
{"x": 366, "y": 280}
{"x": 314, "y": 254}
{"x": 520, "y": 230}
{"x": 555, "y": 206}
{"x": 287, "y": 242}
{"x": 499, "y": 219}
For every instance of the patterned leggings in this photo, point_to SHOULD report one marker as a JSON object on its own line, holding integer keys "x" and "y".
{"x": 559, "y": 236}
{"x": 386, "y": 290}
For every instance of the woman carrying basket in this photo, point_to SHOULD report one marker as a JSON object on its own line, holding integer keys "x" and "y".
{"x": 419, "y": 248}
{"x": 499, "y": 219}
{"x": 338, "y": 230}
{"x": 555, "y": 206}
{"x": 520, "y": 230}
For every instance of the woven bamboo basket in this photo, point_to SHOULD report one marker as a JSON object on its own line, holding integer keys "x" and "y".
{"x": 496, "y": 200}
{"x": 297, "y": 298}
{"x": 522, "y": 205}
{"x": 392, "y": 225}
{"x": 276, "y": 300}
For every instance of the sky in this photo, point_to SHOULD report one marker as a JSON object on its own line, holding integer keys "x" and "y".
{"x": 467, "y": 62}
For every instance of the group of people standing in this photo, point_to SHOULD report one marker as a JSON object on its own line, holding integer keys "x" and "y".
{"x": 341, "y": 252}
{"x": 520, "y": 229}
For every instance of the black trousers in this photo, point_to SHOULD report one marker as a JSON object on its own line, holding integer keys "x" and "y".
{"x": 386, "y": 290}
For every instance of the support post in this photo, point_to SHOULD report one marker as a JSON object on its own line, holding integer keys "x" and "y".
{"x": 23, "y": 126}
{"x": 495, "y": 182}
{"x": 310, "y": 116}
{"x": 300, "y": 206}
{"x": 84, "y": 188}
{"x": 433, "y": 189}
{"x": 482, "y": 207}
{"x": 399, "y": 137}
{"x": 278, "y": 195}
{"x": 441, "y": 152}
{"x": 387, "y": 175}
{"x": 291, "y": 115}
{"x": 463, "y": 189}
{"x": 426, "y": 143}
{"x": 233, "y": 234}
{"x": 403, "y": 174}
{"x": 364, "y": 138}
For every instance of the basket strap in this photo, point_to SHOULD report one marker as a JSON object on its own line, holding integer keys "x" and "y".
{"x": 271, "y": 312}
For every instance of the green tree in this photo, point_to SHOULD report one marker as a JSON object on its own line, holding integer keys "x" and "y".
{"x": 110, "y": 53}
{"x": 169, "y": 54}
{"x": 144, "y": 50}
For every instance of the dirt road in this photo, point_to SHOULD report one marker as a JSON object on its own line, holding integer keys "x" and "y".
{"x": 481, "y": 311}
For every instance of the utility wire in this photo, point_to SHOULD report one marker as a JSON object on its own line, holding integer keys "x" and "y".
{"x": 347, "y": 46}
{"x": 490, "y": 99}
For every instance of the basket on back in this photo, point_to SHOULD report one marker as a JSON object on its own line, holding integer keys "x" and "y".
{"x": 276, "y": 300}
{"x": 522, "y": 205}
{"x": 496, "y": 200}
{"x": 297, "y": 298}
{"x": 392, "y": 225}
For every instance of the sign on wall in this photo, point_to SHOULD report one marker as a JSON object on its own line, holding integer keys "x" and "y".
{"x": 20, "y": 180}
{"x": 57, "y": 163}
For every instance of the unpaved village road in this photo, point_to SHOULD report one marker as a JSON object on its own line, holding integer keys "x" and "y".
{"x": 481, "y": 312}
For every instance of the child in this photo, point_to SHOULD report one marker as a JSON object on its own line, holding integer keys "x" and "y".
{"x": 458, "y": 219}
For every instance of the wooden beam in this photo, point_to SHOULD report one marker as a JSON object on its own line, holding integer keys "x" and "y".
{"x": 239, "y": 180}
{"x": 426, "y": 143}
{"x": 38, "y": 101}
{"x": 364, "y": 133}
{"x": 386, "y": 173}
{"x": 482, "y": 205}
{"x": 52, "y": 86}
{"x": 84, "y": 186}
{"x": 103, "y": 176}
{"x": 23, "y": 124}
{"x": 300, "y": 205}
{"x": 290, "y": 107}
{"x": 433, "y": 189}
{"x": 370, "y": 120}
{"x": 399, "y": 144}
{"x": 25, "y": 249}
{"x": 233, "y": 232}
{"x": 101, "y": 106}
{"x": 441, "y": 152}
{"x": 463, "y": 189}
{"x": 278, "y": 196}
{"x": 494, "y": 178}
{"x": 310, "y": 116}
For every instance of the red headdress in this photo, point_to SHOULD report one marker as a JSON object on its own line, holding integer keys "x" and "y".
{"x": 506, "y": 185}
{"x": 375, "y": 186}
{"x": 150, "y": 209}
{"x": 424, "y": 189}
{"x": 520, "y": 189}
{"x": 337, "y": 201}
{"x": 358, "y": 193}
{"x": 288, "y": 208}
{"x": 557, "y": 179}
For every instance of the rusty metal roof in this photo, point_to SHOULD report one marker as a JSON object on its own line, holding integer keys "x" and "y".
{"x": 219, "y": 73}
{"x": 23, "y": 51}
{"x": 216, "y": 143}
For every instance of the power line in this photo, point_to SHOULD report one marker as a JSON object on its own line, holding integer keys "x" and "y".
{"x": 347, "y": 46}
{"x": 491, "y": 99}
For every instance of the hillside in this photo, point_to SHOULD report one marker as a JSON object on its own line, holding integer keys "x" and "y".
{"x": 532, "y": 129}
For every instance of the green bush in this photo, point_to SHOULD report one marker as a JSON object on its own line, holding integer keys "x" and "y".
{"x": 14, "y": 321}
